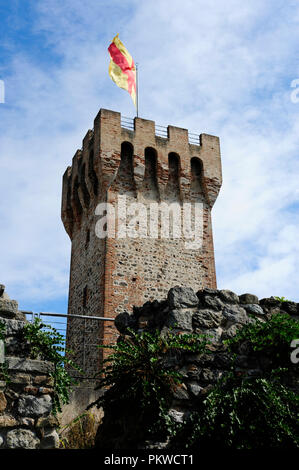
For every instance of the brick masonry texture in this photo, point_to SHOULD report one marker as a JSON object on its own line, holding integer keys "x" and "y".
{"x": 112, "y": 274}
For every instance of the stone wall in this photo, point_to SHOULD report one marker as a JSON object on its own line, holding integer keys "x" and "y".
{"x": 219, "y": 313}
{"x": 26, "y": 389}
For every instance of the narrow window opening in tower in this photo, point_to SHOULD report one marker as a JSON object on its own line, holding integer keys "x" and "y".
{"x": 78, "y": 205}
{"x": 196, "y": 187}
{"x": 87, "y": 238}
{"x": 92, "y": 174}
{"x": 85, "y": 191}
{"x": 85, "y": 297}
{"x": 124, "y": 181}
{"x": 150, "y": 183}
{"x": 69, "y": 209}
{"x": 172, "y": 191}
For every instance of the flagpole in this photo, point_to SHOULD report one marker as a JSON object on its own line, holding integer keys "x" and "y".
{"x": 137, "y": 90}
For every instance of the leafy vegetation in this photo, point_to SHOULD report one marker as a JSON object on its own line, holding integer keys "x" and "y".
{"x": 243, "y": 411}
{"x": 46, "y": 343}
{"x": 140, "y": 374}
{"x": 281, "y": 299}
{"x": 270, "y": 339}
{"x": 249, "y": 412}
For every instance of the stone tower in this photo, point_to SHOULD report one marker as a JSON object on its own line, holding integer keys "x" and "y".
{"x": 109, "y": 275}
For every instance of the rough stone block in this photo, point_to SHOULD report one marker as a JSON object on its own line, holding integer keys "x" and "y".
{"x": 229, "y": 296}
{"x": 3, "y": 402}
{"x": 253, "y": 309}
{"x": 235, "y": 314}
{"x": 181, "y": 319}
{"x": 29, "y": 365}
{"x": 207, "y": 319}
{"x": 182, "y": 297}
{"x": 22, "y": 439}
{"x": 50, "y": 440}
{"x": 12, "y": 326}
{"x": 7, "y": 421}
{"x": 8, "y": 308}
{"x": 34, "y": 406}
{"x": 248, "y": 299}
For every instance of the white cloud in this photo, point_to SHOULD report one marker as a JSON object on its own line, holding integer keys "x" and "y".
{"x": 223, "y": 68}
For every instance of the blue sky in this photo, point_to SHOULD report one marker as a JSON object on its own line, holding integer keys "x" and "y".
{"x": 220, "y": 67}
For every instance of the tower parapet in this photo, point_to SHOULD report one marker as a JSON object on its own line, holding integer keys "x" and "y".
{"x": 109, "y": 275}
{"x": 95, "y": 166}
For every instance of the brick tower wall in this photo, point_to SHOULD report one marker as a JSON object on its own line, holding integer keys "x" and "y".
{"x": 110, "y": 275}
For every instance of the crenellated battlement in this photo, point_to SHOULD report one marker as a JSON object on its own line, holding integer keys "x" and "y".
{"x": 95, "y": 167}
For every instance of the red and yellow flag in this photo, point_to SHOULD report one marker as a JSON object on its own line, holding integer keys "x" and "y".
{"x": 122, "y": 69}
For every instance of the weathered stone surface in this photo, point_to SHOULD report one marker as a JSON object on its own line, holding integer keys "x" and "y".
{"x": 3, "y": 402}
{"x": 22, "y": 379}
{"x": 214, "y": 334}
{"x": 176, "y": 415}
{"x": 29, "y": 365}
{"x": 253, "y": 309}
{"x": 22, "y": 439}
{"x": 18, "y": 411}
{"x": 12, "y": 346}
{"x": 28, "y": 422}
{"x": 8, "y": 308}
{"x": 213, "y": 302}
{"x": 50, "y": 440}
{"x": 234, "y": 314}
{"x": 34, "y": 406}
{"x": 181, "y": 297}
{"x": 269, "y": 302}
{"x": 47, "y": 422}
{"x": 231, "y": 331}
{"x": 194, "y": 388}
{"x": 2, "y": 385}
{"x": 207, "y": 319}
{"x": 43, "y": 380}
{"x": 208, "y": 291}
{"x": 181, "y": 319}
{"x": 248, "y": 299}
{"x": 228, "y": 296}
{"x": 290, "y": 307}
{"x": 7, "y": 421}
{"x": 13, "y": 327}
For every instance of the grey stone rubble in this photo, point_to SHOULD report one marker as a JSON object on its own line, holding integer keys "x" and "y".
{"x": 219, "y": 313}
{"x": 26, "y": 421}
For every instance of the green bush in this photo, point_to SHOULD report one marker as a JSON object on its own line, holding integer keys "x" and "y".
{"x": 244, "y": 412}
{"x": 139, "y": 376}
{"x": 247, "y": 413}
{"x": 46, "y": 343}
{"x": 270, "y": 339}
